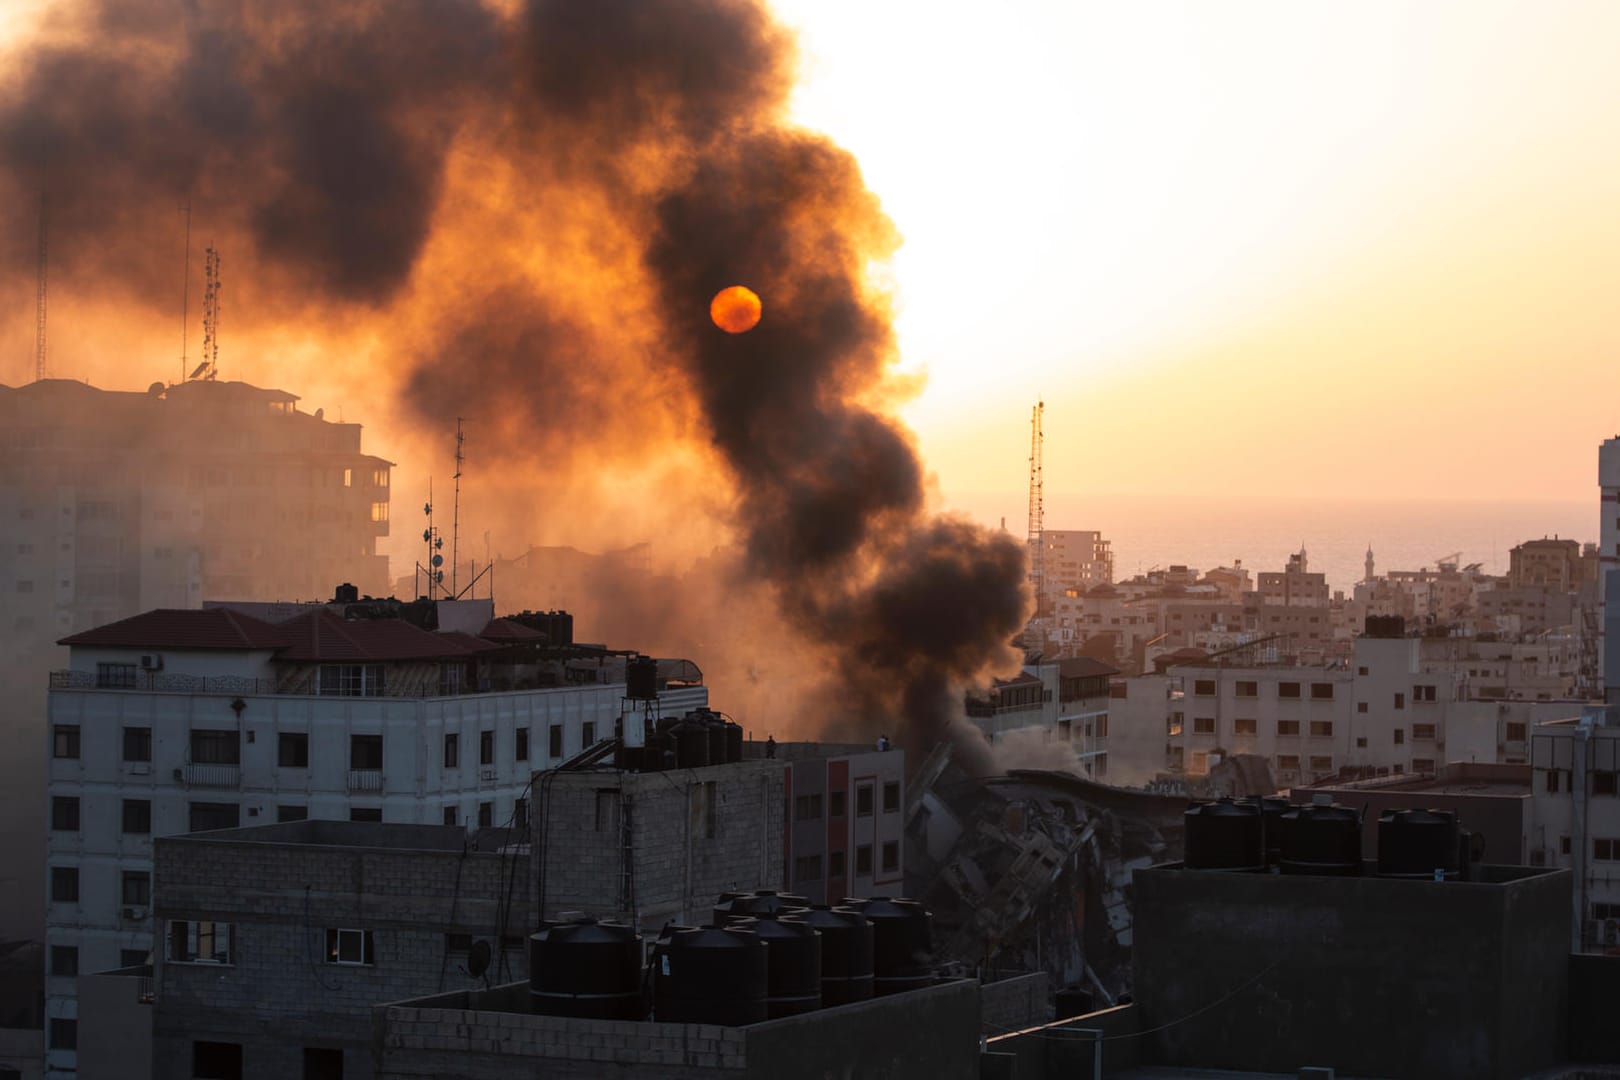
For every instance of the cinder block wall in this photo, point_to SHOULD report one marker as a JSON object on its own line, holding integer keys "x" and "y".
{"x": 1014, "y": 1004}
{"x": 694, "y": 833}
{"x": 280, "y": 995}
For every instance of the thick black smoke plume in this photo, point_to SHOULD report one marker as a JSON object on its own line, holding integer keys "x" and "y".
{"x": 553, "y": 194}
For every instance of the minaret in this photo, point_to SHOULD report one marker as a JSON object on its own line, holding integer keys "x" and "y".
{"x": 1369, "y": 576}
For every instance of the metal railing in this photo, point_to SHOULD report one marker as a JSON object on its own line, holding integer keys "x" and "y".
{"x": 211, "y": 775}
{"x": 165, "y": 682}
{"x": 365, "y": 780}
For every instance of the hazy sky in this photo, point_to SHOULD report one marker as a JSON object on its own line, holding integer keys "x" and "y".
{"x": 1280, "y": 248}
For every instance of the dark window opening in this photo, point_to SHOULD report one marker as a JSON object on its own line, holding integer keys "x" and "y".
{"x": 292, "y": 750}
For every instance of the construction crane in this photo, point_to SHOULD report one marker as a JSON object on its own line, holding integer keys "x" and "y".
{"x": 1037, "y": 517}
{"x": 39, "y": 330}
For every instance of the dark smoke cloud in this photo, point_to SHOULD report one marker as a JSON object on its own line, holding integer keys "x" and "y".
{"x": 531, "y": 211}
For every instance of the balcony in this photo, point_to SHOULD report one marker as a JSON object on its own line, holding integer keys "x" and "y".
{"x": 212, "y": 776}
{"x": 166, "y": 682}
{"x": 365, "y": 780}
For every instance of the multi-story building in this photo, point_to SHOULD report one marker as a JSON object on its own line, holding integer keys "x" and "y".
{"x": 1576, "y": 817}
{"x": 1294, "y": 585}
{"x": 845, "y": 836}
{"x": 185, "y": 721}
{"x": 1608, "y": 564}
{"x": 1064, "y": 700}
{"x": 1074, "y": 558}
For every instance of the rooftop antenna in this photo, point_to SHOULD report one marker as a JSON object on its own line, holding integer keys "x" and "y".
{"x": 185, "y": 291}
{"x": 209, "y": 368}
{"x": 455, "y": 514}
{"x": 39, "y": 331}
{"x": 1037, "y": 513}
{"x": 434, "y": 567}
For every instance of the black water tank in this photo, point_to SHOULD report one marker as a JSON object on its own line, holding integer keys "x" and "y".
{"x": 902, "y": 943}
{"x": 758, "y": 902}
{"x": 1322, "y": 840}
{"x": 691, "y": 744}
{"x": 846, "y": 953}
{"x": 1224, "y": 835}
{"x": 629, "y": 758}
{"x": 717, "y": 738}
{"x": 641, "y": 678}
{"x": 659, "y": 753}
{"x": 1072, "y": 1001}
{"x": 710, "y": 976}
{"x": 793, "y": 963}
{"x": 587, "y": 969}
{"x": 1417, "y": 843}
{"x": 734, "y": 743}
{"x": 1272, "y": 810}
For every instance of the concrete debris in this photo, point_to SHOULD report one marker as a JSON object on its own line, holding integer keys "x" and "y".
{"x": 1032, "y": 872}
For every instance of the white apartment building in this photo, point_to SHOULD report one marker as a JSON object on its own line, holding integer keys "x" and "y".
{"x": 181, "y": 721}
{"x": 1575, "y": 817}
{"x": 1074, "y": 558}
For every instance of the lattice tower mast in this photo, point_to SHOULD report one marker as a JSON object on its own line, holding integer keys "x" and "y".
{"x": 1037, "y": 510}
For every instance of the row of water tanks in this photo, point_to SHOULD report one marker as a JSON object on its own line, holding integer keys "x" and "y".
{"x": 701, "y": 737}
{"x": 766, "y": 955}
{"x": 1325, "y": 838}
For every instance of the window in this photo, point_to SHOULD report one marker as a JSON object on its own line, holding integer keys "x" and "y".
{"x": 1423, "y": 731}
{"x": 1603, "y": 783}
{"x": 137, "y": 816}
{"x": 379, "y": 512}
{"x": 891, "y": 797}
{"x": 115, "y": 676}
{"x": 521, "y": 752}
{"x": 1321, "y": 763}
{"x": 891, "y": 857}
{"x": 450, "y": 815}
{"x": 65, "y": 813}
{"x": 863, "y": 800}
{"x": 486, "y": 748}
{"x": 65, "y": 741}
{"x": 365, "y": 753}
{"x": 1203, "y": 725}
{"x": 352, "y": 680}
{"x": 292, "y": 813}
{"x": 1321, "y": 691}
{"x": 1174, "y": 725}
{"x": 1400, "y": 736}
{"x": 1322, "y": 728}
{"x": 835, "y": 865}
{"x": 1288, "y": 727}
{"x": 365, "y": 813}
{"x": 554, "y": 741}
{"x": 350, "y": 947}
{"x": 1288, "y": 689}
{"x": 1204, "y": 687}
{"x": 607, "y": 810}
{"x": 137, "y": 744}
{"x": 1515, "y": 731}
{"x": 137, "y": 888}
{"x": 1361, "y": 671}
{"x": 1248, "y": 688}
{"x": 836, "y": 804}
{"x": 322, "y": 1062}
{"x": 587, "y": 733}
{"x": 1200, "y": 762}
{"x": 1102, "y": 726}
{"x": 1288, "y": 762}
{"x": 1244, "y": 726}
{"x": 807, "y": 807}
{"x": 198, "y": 942}
{"x": 1400, "y": 701}
{"x": 64, "y": 1033}
{"x": 64, "y": 960}
{"x": 486, "y": 815}
{"x": 806, "y": 868}
{"x": 216, "y": 1061}
{"x": 65, "y": 884}
{"x": 863, "y": 861}
{"x": 206, "y": 815}
{"x": 1423, "y": 764}
{"x": 1422, "y": 693}
{"x": 292, "y": 750}
{"x": 1606, "y": 850}
{"x": 452, "y": 751}
{"x": 1361, "y": 742}
{"x": 216, "y": 748}
{"x": 1361, "y": 706}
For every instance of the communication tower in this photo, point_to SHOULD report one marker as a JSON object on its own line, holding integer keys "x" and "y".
{"x": 1037, "y": 512}
{"x": 432, "y": 567}
{"x": 209, "y": 368}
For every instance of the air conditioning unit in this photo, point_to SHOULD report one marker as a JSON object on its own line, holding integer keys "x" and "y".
{"x": 134, "y": 913}
{"x": 486, "y": 774}
{"x": 152, "y": 662}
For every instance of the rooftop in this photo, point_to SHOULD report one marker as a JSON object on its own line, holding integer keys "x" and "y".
{"x": 376, "y": 835}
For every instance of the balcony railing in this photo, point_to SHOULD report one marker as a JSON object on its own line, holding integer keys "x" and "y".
{"x": 220, "y": 776}
{"x": 365, "y": 780}
{"x": 166, "y": 682}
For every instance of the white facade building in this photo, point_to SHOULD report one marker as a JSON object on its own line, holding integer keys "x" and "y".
{"x": 1575, "y": 799}
{"x": 182, "y": 721}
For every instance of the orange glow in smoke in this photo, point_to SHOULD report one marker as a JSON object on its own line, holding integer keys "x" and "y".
{"x": 735, "y": 310}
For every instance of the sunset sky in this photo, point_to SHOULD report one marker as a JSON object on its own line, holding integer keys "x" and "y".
{"x": 1249, "y": 248}
{"x": 1267, "y": 248}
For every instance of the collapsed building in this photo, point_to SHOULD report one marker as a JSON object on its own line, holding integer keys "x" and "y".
{"x": 1031, "y": 871}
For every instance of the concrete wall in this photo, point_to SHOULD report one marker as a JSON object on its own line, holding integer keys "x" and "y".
{"x": 1372, "y": 976}
{"x": 929, "y": 1034}
{"x": 1594, "y": 1002}
{"x": 1067, "y": 1048}
{"x": 115, "y": 1025}
{"x": 1014, "y": 1004}
{"x": 695, "y": 833}
{"x": 279, "y": 994}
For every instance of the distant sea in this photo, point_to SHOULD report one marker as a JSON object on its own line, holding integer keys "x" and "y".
{"x": 1206, "y": 531}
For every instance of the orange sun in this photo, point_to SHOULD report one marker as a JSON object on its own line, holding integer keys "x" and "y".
{"x": 735, "y": 310}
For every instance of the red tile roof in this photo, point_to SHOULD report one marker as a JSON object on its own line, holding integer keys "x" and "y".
{"x": 169, "y": 628}
{"x": 322, "y": 636}
{"x": 508, "y": 630}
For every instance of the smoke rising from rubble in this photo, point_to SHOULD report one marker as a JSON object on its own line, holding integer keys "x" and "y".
{"x": 520, "y": 216}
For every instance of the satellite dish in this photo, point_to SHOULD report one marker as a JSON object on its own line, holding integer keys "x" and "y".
{"x": 478, "y": 959}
